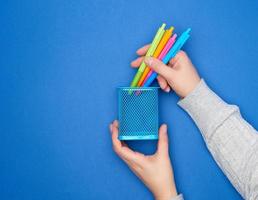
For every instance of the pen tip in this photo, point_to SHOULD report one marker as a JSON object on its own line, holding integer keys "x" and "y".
{"x": 163, "y": 25}
{"x": 171, "y": 28}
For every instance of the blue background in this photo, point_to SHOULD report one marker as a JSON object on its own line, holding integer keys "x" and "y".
{"x": 60, "y": 64}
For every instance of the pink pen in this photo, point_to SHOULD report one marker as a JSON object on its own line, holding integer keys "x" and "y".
{"x": 168, "y": 46}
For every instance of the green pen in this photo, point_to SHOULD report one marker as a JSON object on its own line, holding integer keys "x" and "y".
{"x": 150, "y": 52}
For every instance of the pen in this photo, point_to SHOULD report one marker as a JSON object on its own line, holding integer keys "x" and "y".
{"x": 168, "y": 46}
{"x": 172, "y": 52}
{"x": 157, "y": 52}
{"x": 150, "y": 51}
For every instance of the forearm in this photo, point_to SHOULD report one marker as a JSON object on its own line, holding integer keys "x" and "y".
{"x": 230, "y": 139}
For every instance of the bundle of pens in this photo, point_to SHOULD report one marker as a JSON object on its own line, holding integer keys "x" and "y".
{"x": 163, "y": 47}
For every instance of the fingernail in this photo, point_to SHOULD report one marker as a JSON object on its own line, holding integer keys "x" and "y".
{"x": 115, "y": 122}
{"x": 148, "y": 60}
{"x": 167, "y": 89}
{"x": 133, "y": 61}
{"x": 165, "y": 126}
{"x": 110, "y": 127}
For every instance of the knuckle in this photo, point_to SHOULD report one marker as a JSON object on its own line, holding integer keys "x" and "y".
{"x": 157, "y": 62}
{"x": 182, "y": 54}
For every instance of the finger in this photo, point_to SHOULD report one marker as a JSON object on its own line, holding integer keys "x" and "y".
{"x": 122, "y": 150}
{"x": 115, "y": 123}
{"x": 178, "y": 56}
{"x": 163, "y": 84}
{"x": 159, "y": 67}
{"x": 167, "y": 89}
{"x": 173, "y": 61}
{"x": 143, "y": 50}
{"x": 137, "y": 62}
{"x": 163, "y": 140}
{"x": 110, "y": 128}
{"x": 128, "y": 162}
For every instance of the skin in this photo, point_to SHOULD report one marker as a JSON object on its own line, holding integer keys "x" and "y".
{"x": 156, "y": 171}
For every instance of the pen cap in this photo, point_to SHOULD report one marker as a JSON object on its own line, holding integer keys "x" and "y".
{"x": 138, "y": 113}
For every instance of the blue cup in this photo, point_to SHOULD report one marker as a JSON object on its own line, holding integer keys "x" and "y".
{"x": 138, "y": 113}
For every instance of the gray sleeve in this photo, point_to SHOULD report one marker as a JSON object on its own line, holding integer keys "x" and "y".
{"x": 231, "y": 140}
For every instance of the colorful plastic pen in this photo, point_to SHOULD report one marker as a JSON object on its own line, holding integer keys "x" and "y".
{"x": 168, "y": 46}
{"x": 150, "y": 52}
{"x": 157, "y": 52}
{"x": 172, "y": 52}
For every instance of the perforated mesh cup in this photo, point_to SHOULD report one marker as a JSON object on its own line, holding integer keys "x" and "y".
{"x": 138, "y": 113}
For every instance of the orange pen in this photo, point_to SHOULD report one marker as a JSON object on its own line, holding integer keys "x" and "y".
{"x": 158, "y": 50}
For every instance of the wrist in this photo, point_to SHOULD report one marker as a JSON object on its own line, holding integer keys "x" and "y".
{"x": 191, "y": 86}
{"x": 167, "y": 195}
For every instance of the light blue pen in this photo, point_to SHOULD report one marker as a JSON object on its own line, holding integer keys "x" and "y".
{"x": 171, "y": 54}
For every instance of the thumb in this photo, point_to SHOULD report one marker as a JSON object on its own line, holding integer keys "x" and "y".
{"x": 158, "y": 66}
{"x": 163, "y": 140}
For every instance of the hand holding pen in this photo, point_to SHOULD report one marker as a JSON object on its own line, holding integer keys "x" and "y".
{"x": 179, "y": 74}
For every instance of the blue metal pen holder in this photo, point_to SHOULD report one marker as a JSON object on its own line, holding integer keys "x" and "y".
{"x": 138, "y": 113}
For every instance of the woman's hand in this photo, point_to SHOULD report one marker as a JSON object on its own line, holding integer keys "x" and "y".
{"x": 179, "y": 74}
{"x": 155, "y": 171}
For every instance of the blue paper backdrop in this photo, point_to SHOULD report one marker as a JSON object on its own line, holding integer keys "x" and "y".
{"x": 60, "y": 64}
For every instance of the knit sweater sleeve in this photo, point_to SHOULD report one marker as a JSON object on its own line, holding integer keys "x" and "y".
{"x": 231, "y": 140}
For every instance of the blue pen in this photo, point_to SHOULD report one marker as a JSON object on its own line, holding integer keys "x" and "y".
{"x": 171, "y": 54}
